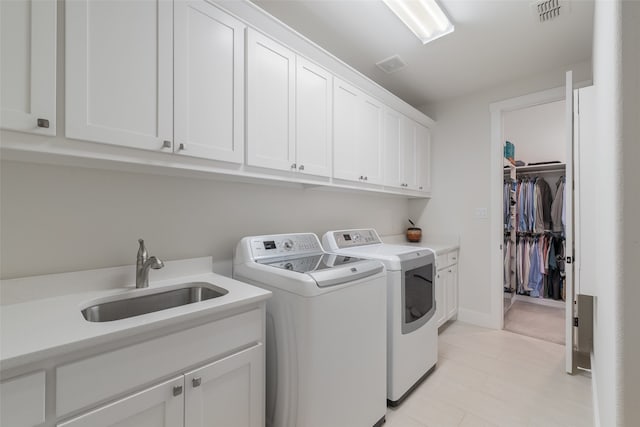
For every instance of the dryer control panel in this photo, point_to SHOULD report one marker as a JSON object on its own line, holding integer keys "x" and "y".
{"x": 352, "y": 238}
{"x": 280, "y": 245}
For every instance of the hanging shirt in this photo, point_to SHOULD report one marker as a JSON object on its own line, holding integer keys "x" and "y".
{"x": 535, "y": 277}
{"x": 557, "y": 207}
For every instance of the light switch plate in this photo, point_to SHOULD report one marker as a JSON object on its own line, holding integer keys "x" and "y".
{"x": 481, "y": 213}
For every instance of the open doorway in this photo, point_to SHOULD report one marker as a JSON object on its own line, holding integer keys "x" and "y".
{"x": 534, "y": 223}
{"x": 566, "y": 289}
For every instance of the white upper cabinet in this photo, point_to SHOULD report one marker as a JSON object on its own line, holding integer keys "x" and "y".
{"x": 408, "y": 153}
{"x": 357, "y": 133}
{"x": 28, "y": 66}
{"x": 119, "y": 72}
{"x": 345, "y": 131}
{"x": 370, "y": 140}
{"x": 423, "y": 158}
{"x": 393, "y": 175}
{"x": 314, "y": 100}
{"x": 270, "y": 103}
{"x": 209, "y": 82}
{"x": 407, "y": 150}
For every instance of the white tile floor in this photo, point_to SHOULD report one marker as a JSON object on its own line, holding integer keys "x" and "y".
{"x": 494, "y": 378}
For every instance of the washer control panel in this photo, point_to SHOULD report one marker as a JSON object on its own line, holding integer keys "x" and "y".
{"x": 352, "y": 238}
{"x": 279, "y": 245}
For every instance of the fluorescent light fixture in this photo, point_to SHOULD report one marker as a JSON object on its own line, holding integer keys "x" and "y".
{"x": 424, "y": 17}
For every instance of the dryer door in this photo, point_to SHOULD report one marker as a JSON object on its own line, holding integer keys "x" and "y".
{"x": 418, "y": 297}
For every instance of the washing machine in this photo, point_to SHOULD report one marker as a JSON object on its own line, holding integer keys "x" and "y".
{"x": 326, "y": 331}
{"x": 412, "y": 333}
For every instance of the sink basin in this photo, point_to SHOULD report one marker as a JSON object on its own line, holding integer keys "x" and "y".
{"x": 188, "y": 293}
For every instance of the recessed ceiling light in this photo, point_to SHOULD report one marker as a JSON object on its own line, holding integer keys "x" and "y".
{"x": 423, "y": 17}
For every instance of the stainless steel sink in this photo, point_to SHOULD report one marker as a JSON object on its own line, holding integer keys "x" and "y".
{"x": 189, "y": 293}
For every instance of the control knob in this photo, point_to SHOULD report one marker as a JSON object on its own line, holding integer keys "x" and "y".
{"x": 287, "y": 244}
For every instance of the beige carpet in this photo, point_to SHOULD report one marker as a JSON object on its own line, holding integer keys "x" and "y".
{"x": 538, "y": 321}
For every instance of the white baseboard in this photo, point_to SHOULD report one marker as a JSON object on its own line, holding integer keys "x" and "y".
{"x": 478, "y": 318}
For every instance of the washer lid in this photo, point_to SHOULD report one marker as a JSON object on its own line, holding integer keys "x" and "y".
{"x": 328, "y": 269}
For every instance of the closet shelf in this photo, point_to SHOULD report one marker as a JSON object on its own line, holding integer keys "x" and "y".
{"x": 552, "y": 167}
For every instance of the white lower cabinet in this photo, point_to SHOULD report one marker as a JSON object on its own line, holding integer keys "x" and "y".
{"x": 161, "y": 405}
{"x": 228, "y": 392}
{"x": 446, "y": 287}
{"x": 22, "y": 400}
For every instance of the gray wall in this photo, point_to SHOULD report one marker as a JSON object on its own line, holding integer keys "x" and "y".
{"x": 60, "y": 218}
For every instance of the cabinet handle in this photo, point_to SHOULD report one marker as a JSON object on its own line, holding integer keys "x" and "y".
{"x": 301, "y": 167}
{"x": 43, "y": 123}
{"x": 361, "y": 177}
{"x": 366, "y": 178}
{"x": 181, "y": 147}
{"x": 293, "y": 165}
{"x": 166, "y": 144}
{"x": 196, "y": 382}
{"x": 450, "y": 271}
{"x": 177, "y": 390}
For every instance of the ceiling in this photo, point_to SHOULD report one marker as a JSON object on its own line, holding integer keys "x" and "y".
{"x": 495, "y": 41}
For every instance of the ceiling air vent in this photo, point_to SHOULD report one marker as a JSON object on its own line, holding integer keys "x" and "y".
{"x": 547, "y": 10}
{"x": 391, "y": 64}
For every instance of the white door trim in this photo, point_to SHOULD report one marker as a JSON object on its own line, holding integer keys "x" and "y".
{"x": 497, "y": 110}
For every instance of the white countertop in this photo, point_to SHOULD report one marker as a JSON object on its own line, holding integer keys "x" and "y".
{"x": 439, "y": 245}
{"x": 36, "y": 330}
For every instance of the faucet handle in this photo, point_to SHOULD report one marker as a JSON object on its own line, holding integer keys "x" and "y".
{"x": 142, "y": 251}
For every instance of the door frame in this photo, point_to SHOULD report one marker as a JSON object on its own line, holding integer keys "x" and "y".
{"x": 497, "y": 110}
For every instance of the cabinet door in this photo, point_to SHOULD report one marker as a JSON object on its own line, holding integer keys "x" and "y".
{"x": 370, "y": 139}
{"x": 270, "y": 103}
{"x": 22, "y": 400}
{"x": 423, "y": 158}
{"x": 452, "y": 291}
{"x": 159, "y": 406}
{"x": 409, "y": 131}
{"x": 227, "y": 393}
{"x": 392, "y": 163}
{"x": 28, "y": 65}
{"x": 209, "y": 82}
{"x": 119, "y": 72}
{"x": 441, "y": 296}
{"x": 345, "y": 131}
{"x": 314, "y": 89}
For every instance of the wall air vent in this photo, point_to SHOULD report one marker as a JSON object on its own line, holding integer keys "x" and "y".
{"x": 547, "y": 10}
{"x": 391, "y": 64}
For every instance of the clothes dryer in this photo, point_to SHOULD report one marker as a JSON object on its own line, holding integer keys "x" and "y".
{"x": 412, "y": 333}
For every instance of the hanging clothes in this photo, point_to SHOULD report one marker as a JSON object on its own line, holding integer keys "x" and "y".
{"x": 557, "y": 208}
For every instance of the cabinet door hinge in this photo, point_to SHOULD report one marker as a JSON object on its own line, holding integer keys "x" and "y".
{"x": 575, "y": 322}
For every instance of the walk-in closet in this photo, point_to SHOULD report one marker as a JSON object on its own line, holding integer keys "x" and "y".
{"x": 534, "y": 221}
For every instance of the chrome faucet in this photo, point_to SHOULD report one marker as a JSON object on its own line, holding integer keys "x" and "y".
{"x": 143, "y": 263}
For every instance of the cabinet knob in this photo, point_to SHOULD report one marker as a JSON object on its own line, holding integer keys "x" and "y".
{"x": 421, "y": 187}
{"x": 43, "y": 123}
{"x": 361, "y": 177}
{"x": 196, "y": 381}
{"x": 366, "y": 178}
{"x": 181, "y": 147}
{"x": 166, "y": 144}
{"x": 301, "y": 167}
{"x": 293, "y": 165}
{"x": 177, "y": 390}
